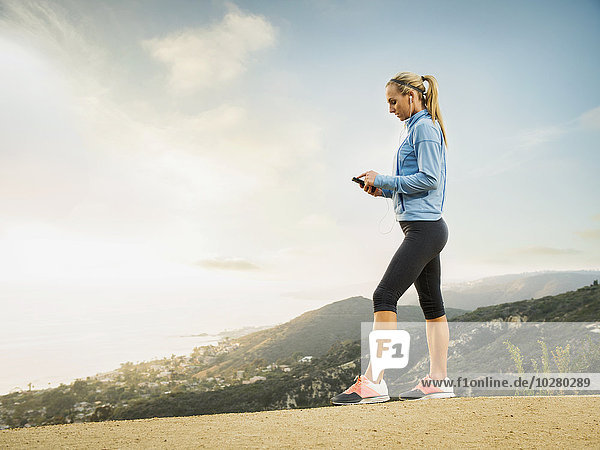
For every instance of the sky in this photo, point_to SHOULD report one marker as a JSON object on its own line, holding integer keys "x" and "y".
{"x": 188, "y": 164}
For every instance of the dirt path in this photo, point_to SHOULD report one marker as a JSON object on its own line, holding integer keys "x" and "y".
{"x": 509, "y": 422}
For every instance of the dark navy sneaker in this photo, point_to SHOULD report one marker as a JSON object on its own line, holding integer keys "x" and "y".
{"x": 362, "y": 391}
{"x": 426, "y": 389}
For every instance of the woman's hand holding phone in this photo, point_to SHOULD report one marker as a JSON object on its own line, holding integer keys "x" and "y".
{"x": 368, "y": 188}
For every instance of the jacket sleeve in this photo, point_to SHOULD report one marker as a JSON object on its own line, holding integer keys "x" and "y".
{"x": 387, "y": 193}
{"x": 428, "y": 149}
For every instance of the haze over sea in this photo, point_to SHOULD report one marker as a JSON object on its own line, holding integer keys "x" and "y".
{"x": 64, "y": 358}
{"x": 45, "y": 340}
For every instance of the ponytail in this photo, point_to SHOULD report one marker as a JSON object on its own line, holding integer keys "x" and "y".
{"x": 407, "y": 81}
{"x": 431, "y": 101}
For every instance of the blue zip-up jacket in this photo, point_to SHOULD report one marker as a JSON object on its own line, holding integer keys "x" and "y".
{"x": 419, "y": 184}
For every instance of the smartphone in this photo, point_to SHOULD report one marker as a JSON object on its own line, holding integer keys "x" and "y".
{"x": 359, "y": 181}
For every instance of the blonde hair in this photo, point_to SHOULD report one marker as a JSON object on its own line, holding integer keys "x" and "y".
{"x": 429, "y": 98}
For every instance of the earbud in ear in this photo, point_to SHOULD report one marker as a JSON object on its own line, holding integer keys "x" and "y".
{"x": 410, "y": 99}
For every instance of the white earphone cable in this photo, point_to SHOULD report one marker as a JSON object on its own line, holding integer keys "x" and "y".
{"x": 403, "y": 137}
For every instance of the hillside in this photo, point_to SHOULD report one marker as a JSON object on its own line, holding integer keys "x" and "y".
{"x": 312, "y": 333}
{"x": 513, "y": 287}
{"x": 507, "y": 422}
{"x": 582, "y": 305}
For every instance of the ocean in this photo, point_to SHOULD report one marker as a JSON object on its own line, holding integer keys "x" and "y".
{"x": 48, "y": 361}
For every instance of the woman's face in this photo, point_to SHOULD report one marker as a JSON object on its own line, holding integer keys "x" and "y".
{"x": 399, "y": 103}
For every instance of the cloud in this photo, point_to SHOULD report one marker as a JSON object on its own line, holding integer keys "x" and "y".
{"x": 590, "y": 120}
{"x": 536, "y": 137}
{"x": 525, "y": 147}
{"x": 203, "y": 57}
{"x": 61, "y": 35}
{"x": 528, "y": 144}
{"x": 544, "y": 251}
{"x": 589, "y": 234}
{"x": 135, "y": 171}
{"x": 224, "y": 263}
{"x": 528, "y": 256}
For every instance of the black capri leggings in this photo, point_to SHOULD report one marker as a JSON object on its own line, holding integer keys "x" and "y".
{"x": 417, "y": 261}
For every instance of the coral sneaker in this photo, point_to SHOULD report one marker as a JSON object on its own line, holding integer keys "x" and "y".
{"x": 428, "y": 388}
{"x": 362, "y": 391}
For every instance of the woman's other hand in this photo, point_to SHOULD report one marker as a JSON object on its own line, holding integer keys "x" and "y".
{"x": 374, "y": 191}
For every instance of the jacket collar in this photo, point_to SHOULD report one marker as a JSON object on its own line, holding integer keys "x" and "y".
{"x": 413, "y": 119}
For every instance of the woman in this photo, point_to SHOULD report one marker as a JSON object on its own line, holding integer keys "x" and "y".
{"x": 418, "y": 190}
